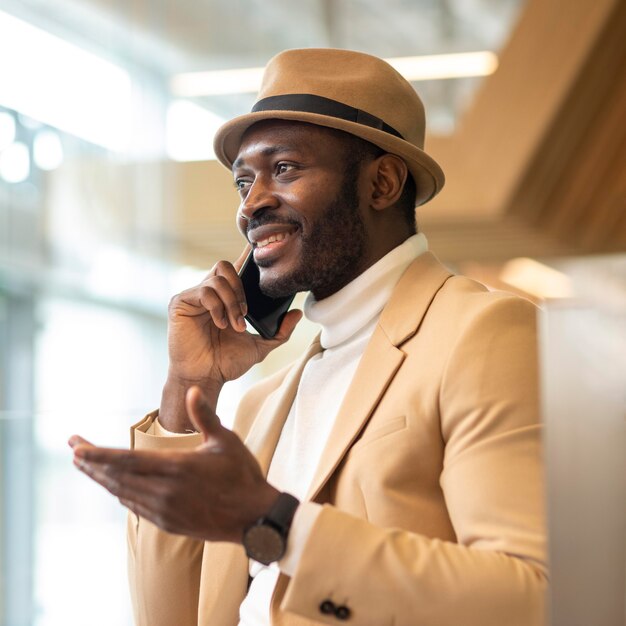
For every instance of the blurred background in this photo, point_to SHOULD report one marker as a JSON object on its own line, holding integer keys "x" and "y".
{"x": 111, "y": 202}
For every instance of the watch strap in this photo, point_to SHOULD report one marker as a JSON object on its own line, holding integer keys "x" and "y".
{"x": 282, "y": 512}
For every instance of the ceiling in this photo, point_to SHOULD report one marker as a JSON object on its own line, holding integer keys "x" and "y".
{"x": 576, "y": 189}
{"x": 164, "y": 38}
{"x": 205, "y": 34}
{"x": 534, "y": 159}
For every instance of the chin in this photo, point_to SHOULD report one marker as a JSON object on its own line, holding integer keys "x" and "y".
{"x": 277, "y": 284}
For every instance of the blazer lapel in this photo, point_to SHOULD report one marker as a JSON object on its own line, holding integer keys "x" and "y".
{"x": 382, "y": 358}
{"x": 265, "y": 432}
{"x": 378, "y": 365}
{"x": 412, "y": 296}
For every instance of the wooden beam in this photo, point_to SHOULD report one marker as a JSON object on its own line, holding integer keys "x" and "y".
{"x": 486, "y": 158}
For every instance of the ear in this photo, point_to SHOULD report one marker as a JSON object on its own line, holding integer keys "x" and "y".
{"x": 388, "y": 175}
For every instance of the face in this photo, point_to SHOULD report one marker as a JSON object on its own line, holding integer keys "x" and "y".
{"x": 300, "y": 208}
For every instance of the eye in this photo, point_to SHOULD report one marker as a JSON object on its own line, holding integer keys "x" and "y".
{"x": 283, "y": 168}
{"x": 241, "y": 184}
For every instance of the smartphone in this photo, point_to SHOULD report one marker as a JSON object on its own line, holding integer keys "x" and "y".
{"x": 264, "y": 313}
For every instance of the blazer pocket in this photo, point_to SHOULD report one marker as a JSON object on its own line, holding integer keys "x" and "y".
{"x": 378, "y": 432}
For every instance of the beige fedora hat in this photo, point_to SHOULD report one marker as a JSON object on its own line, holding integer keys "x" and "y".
{"x": 350, "y": 91}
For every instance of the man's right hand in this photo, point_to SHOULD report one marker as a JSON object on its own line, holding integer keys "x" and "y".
{"x": 208, "y": 342}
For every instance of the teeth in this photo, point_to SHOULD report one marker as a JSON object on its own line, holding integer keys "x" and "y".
{"x": 271, "y": 239}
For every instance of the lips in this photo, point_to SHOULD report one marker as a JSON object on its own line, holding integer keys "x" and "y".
{"x": 270, "y": 233}
{"x": 268, "y": 240}
{"x": 272, "y": 239}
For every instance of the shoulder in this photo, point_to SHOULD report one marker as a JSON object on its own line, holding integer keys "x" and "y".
{"x": 475, "y": 326}
{"x": 490, "y": 358}
{"x": 465, "y": 301}
{"x": 446, "y": 308}
{"x": 429, "y": 298}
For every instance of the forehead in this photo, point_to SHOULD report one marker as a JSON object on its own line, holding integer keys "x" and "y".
{"x": 271, "y": 136}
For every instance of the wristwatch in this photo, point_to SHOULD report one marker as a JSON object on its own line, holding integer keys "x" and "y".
{"x": 266, "y": 540}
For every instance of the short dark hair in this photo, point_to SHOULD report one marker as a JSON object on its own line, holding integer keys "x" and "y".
{"x": 359, "y": 151}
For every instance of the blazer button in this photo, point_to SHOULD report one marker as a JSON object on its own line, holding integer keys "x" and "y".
{"x": 342, "y": 612}
{"x": 327, "y": 607}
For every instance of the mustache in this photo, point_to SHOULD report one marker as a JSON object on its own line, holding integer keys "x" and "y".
{"x": 267, "y": 218}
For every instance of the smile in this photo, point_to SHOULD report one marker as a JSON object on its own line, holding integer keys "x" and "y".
{"x": 271, "y": 242}
{"x": 272, "y": 239}
{"x": 266, "y": 235}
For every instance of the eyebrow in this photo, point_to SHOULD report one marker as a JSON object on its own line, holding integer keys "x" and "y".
{"x": 269, "y": 151}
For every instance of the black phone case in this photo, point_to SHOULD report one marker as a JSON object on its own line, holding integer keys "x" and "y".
{"x": 265, "y": 314}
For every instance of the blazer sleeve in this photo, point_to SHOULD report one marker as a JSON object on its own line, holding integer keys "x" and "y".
{"x": 163, "y": 569}
{"x": 492, "y": 480}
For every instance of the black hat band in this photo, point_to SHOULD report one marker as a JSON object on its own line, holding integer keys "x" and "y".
{"x": 309, "y": 103}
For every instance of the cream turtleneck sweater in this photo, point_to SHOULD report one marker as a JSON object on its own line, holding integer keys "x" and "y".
{"x": 347, "y": 320}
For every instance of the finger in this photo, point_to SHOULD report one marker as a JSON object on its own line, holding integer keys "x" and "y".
{"x": 231, "y": 274}
{"x": 201, "y": 414}
{"x": 152, "y": 462}
{"x": 157, "y": 517}
{"x": 221, "y": 296}
{"x": 288, "y": 325}
{"x": 133, "y": 507}
{"x": 145, "y": 490}
{"x": 238, "y": 264}
{"x": 208, "y": 300}
{"x": 216, "y": 296}
{"x": 139, "y": 509}
{"x": 76, "y": 440}
{"x": 147, "y": 497}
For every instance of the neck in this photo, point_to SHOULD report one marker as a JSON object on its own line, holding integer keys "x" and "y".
{"x": 352, "y": 309}
{"x": 375, "y": 251}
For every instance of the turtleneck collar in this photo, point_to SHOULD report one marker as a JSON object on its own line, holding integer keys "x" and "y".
{"x": 359, "y": 303}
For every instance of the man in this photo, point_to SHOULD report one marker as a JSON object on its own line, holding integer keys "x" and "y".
{"x": 408, "y": 433}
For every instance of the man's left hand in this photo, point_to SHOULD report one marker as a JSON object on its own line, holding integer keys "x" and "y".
{"x": 213, "y": 492}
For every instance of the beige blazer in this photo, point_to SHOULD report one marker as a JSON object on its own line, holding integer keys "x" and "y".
{"x": 431, "y": 479}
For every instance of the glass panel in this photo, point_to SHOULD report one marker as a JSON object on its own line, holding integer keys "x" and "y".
{"x": 583, "y": 358}
{"x": 97, "y": 371}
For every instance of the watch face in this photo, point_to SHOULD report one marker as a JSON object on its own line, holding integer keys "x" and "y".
{"x": 264, "y": 544}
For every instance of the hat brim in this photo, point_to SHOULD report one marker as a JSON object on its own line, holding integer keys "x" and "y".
{"x": 428, "y": 176}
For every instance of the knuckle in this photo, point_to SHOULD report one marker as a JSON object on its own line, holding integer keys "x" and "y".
{"x": 175, "y": 467}
{"x": 168, "y": 498}
{"x": 126, "y": 464}
{"x": 223, "y": 266}
{"x": 220, "y": 282}
{"x": 233, "y": 305}
{"x": 174, "y": 302}
{"x": 207, "y": 291}
{"x": 111, "y": 483}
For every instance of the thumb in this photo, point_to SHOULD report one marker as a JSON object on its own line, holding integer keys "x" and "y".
{"x": 77, "y": 440}
{"x": 288, "y": 325}
{"x": 202, "y": 416}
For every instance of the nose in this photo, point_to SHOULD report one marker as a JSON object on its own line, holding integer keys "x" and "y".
{"x": 258, "y": 197}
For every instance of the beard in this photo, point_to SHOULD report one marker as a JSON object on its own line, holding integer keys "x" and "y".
{"x": 331, "y": 251}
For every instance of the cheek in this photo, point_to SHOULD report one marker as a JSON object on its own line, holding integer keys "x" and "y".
{"x": 242, "y": 223}
{"x": 311, "y": 199}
